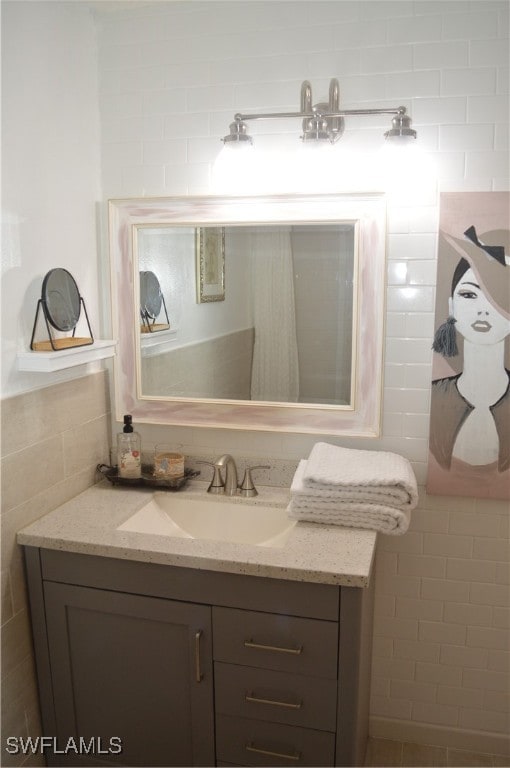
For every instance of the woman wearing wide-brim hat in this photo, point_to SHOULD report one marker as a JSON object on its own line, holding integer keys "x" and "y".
{"x": 470, "y": 411}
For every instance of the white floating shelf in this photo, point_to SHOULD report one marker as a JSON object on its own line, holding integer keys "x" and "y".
{"x": 157, "y": 343}
{"x": 46, "y": 362}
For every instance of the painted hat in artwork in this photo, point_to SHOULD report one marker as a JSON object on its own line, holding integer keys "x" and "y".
{"x": 488, "y": 257}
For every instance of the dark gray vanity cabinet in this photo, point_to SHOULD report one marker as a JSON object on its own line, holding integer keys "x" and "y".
{"x": 134, "y": 668}
{"x": 188, "y": 667}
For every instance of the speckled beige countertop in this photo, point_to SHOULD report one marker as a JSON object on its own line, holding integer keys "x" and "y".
{"x": 314, "y": 552}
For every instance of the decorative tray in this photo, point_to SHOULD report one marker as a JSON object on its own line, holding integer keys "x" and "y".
{"x": 148, "y": 479}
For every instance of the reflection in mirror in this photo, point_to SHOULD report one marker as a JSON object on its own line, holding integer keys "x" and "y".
{"x": 284, "y": 332}
{"x": 151, "y": 303}
{"x": 210, "y": 263}
{"x": 294, "y": 342}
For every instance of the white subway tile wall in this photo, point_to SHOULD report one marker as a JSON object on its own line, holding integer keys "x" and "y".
{"x": 171, "y": 78}
{"x": 172, "y": 74}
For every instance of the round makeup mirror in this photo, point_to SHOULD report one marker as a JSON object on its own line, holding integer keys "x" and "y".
{"x": 61, "y": 299}
{"x": 150, "y": 295}
{"x": 61, "y": 305}
{"x": 151, "y": 302}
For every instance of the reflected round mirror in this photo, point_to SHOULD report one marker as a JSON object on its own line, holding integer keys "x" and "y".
{"x": 150, "y": 295}
{"x": 62, "y": 299}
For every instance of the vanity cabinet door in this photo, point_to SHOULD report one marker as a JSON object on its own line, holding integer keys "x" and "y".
{"x": 131, "y": 667}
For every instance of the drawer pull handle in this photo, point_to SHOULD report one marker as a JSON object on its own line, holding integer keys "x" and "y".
{"x": 283, "y": 755}
{"x": 277, "y": 648}
{"x": 256, "y": 700}
{"x": 198, "y": 672}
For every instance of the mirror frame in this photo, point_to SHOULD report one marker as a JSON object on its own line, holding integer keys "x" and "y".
{"x": 361, "y": 418}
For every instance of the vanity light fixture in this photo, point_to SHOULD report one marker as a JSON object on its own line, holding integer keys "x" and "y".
{"x": 323, "y": 121}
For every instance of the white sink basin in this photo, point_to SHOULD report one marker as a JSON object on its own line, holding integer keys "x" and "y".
{"x": 217, "y": 520}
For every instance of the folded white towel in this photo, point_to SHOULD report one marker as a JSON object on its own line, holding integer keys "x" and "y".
{"x": 333, "y": 469}
{"x": 376, "y": 507}
{"x": 394, "y": 497}
{"x": 375, "y": 517}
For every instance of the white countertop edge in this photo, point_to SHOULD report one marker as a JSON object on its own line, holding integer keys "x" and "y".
{"x": 315, "y": 553}
{"x": 200, "y": 563}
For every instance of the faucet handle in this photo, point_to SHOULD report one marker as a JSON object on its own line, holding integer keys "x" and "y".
{"x": 247, "y": 487}
{"x": 216, "y": 485}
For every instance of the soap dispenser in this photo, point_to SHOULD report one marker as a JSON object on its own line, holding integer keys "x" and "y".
{"x": 129, "y": 450}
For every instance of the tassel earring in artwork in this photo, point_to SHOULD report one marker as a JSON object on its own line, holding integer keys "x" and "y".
{"x": 445, "y": 339}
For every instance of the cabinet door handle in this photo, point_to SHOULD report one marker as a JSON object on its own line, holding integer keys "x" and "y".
{"x": 295, "y": 756}
{"x": 256, "y": 700}
{"x": 198, "y": 672}
{"x": 279, "y": 649}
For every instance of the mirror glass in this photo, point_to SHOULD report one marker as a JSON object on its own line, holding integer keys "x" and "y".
{"x": 283, "y": 329}
{"x": 275, "y": 308}
{"x": 62, "y": 299}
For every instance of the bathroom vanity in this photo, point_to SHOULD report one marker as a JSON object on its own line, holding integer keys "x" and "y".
{"x": 198, "y": 652}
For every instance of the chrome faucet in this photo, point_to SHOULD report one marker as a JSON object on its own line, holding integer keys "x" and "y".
{"x": 230, "y": 482}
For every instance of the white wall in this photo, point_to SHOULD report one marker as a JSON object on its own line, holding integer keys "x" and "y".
{"x": 50, "y": 168}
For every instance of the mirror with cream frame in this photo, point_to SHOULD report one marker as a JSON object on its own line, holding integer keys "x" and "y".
{"x": 291, "y": 337}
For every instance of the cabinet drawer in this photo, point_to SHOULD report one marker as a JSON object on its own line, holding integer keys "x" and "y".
{"x": 280, "y": 697}
{"x": 272, "y": 641}
{"x": 255, "y": 742}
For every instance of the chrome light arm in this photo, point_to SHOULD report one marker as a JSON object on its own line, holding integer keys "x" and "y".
{"x": 241, "y": 116}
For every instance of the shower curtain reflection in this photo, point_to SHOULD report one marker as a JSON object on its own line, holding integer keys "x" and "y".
{"x": 275, "y": 368}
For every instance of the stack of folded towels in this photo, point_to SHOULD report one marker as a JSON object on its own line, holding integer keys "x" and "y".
{"x": 358, "y": 489}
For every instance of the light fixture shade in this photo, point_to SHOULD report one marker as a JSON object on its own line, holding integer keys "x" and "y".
{"x": 316, "y": 130}
{"x": 234, "y": 169}
{"x": 238, "y": 133}
{"x": 401, "y": 127}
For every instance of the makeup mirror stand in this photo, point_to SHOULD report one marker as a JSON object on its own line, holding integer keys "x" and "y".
{"x": 54, "y": 344}
{"x": 61, "y": 305}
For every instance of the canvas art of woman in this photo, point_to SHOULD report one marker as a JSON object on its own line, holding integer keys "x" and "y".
{"x": 470, "y": 409}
